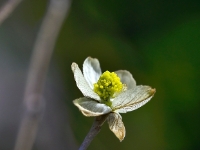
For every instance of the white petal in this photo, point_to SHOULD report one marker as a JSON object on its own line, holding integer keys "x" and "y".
{"x": 132, "y": 99}
{"x": 126, "y": 78}
{"x": 91, "y": 107}
{"x": 116, "y": 125}
{"x": 91, "y": 71}
{"x": 82, "y": 83}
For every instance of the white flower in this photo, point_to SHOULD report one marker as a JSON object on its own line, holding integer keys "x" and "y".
{"x": 108, "y": 93}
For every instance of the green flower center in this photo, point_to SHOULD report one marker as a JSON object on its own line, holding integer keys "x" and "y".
{"x": 108, "y": 86}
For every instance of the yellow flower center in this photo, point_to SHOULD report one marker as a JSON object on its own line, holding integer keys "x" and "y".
{"x": 108, "y": 86}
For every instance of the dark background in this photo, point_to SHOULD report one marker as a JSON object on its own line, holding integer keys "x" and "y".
{"x": 157, "y": 41}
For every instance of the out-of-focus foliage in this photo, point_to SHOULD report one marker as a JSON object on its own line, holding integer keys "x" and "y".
{"x": 157, "y": 41}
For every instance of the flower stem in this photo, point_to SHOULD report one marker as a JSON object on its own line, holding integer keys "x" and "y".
{"x": 95, "y": 129}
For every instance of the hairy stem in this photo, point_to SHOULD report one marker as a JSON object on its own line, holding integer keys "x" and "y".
{"x": 42, "y": 52}
{"x": 94, "y": 130}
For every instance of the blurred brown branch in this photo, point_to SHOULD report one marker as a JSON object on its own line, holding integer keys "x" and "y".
{"x": 7, "y": 9}
{"x": 42, "y": 52}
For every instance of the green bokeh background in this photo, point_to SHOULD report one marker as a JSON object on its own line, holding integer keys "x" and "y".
{"x": 157, "y": 41}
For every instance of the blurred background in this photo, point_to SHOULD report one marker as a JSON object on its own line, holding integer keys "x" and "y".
{"x": 157, "y": 41}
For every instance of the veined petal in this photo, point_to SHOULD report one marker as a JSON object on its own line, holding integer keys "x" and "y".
{"x": 82, "y": 83}
{"x": 126, "y": 78}
{"x": 132, "y": 99}
{"x": 116, "y": 125}
{"x": 90, "y": 107}
{"x": 91, "y": 71}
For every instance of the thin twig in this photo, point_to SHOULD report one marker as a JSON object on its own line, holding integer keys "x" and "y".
{"x": 42, "y": 52}
{"x": 95, "y": 129}
{"x": 7, "y": 9}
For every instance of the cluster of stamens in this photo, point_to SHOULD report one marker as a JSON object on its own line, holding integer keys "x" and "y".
{"x": 108, "y": 86}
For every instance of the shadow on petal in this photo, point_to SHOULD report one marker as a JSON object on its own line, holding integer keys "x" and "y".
{"x": 126, "y": 78}
{"x": 90, "y": 107}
